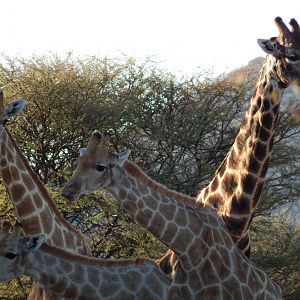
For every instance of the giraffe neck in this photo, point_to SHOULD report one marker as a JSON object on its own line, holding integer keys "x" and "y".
{"x": 80, "y": 277}
{"x": 207, "y": 255}
{"x": 163, "y": 212}
{"x": 237, "y": 185}
{"x": 34, "y": 207}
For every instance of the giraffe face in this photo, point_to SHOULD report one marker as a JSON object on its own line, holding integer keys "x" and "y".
{"x": 286, "y": 50}
{"x": 95, "y": 168}
{"x": 13, "y": 250}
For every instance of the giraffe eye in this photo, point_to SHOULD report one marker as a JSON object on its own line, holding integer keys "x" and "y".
{"x": 100, "y": 168}
{"x": 11, "y": 255}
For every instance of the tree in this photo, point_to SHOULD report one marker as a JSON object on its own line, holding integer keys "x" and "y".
{"x": 179, "y": 131}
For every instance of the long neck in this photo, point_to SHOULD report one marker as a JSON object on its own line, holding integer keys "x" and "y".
{"x": 34, "y": 207}
{"x": 237, "y": 185}
{"x": 197, "y": 235}
{"x": 80, "y": 277}
{"x": 170, "y": 216}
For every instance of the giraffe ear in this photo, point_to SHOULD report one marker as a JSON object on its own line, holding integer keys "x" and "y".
{"x": 15, "y": 108}
{"x": 266, "y": 45}
{"x": 35, "y": 242}
{"x": 122, "y": 157}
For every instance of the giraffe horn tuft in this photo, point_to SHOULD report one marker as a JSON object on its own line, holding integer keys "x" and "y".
{"x": 285, "y": 35}
{"x": 295, "y": 30}
{"x": 103, "y": 149}
{"x": 93, "y": 142}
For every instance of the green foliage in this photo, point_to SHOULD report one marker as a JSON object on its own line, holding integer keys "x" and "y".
{"x": 276, "y": 248}
{"x": 179, "y": 131}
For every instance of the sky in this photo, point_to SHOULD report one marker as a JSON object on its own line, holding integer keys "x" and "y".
{"x": 183, "y": 36}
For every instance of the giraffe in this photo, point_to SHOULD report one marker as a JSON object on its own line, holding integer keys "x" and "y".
{"x": 75, "y": 276}
{"x": 34, "y": 207}
{"x": 237, "y": 184}
{"x": 210, "y": 266}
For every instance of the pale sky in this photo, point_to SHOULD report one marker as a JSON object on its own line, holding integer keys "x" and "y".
{"x": 182, "y": 35}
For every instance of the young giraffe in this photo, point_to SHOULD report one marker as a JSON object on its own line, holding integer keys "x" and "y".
{"x": 79, "y": 277}
{"x": 237, "y": 185}
{"x": 210, "y": 266}
{"x": 33, "y": 205}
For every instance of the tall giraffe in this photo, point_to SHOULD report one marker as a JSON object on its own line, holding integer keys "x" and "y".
{"x": 236, "y": 187}
{"x": 79, "y": 277}
{"x": 209, "y": 266}
{"x": 34, "y": 207}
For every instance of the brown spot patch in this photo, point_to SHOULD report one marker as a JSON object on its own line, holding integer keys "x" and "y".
{"x": 266, "y": 104}
{"x": 263, "y": 134}
{"x": 181, "y": 217}
{"x": 254, "y": 165}
{"x": 71, "y": 291}
{"x": 168, "y": 210}
{"x": 260, "y": 151}
{"x": 157, "y": 224}
{"x": 169, "y": 233}
{"x": 60, "y": 285}
{"x": 229, "y": 183}
{"x": 267, "y": 121}
{"x": 209, "y": 276}
{"x": 239, "y": 205}
{"x": 37, "y": 200}
{"x": 215, "y": 201}
{"x": 15, "y": 173}
{"x": 183, "y": 240}
{"x": 6, "y": 176}
{"x": 17, "y": 192}
{"x": 25, "y": 207}
{"x": 235, "y": 225}
{"x": 150, "y": 202}
{"x": 215, "y": 184}
{"x": 57, "y": 238}
{"x": 248, "y": 183}
{"x": 28, "y": 182}
{"x": 144, "y": 216}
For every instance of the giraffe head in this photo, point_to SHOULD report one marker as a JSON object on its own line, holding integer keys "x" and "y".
{"x": 13, "y": 109}
{"x": 94, "y": 167}
{"x": 286, "y": 50}
{"x": 13, "y": 251}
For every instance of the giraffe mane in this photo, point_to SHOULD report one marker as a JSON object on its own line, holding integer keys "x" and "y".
{"x": 44, "y": 192}
{"x": 81, "y": 259}
{"x": 136, "y": 172}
